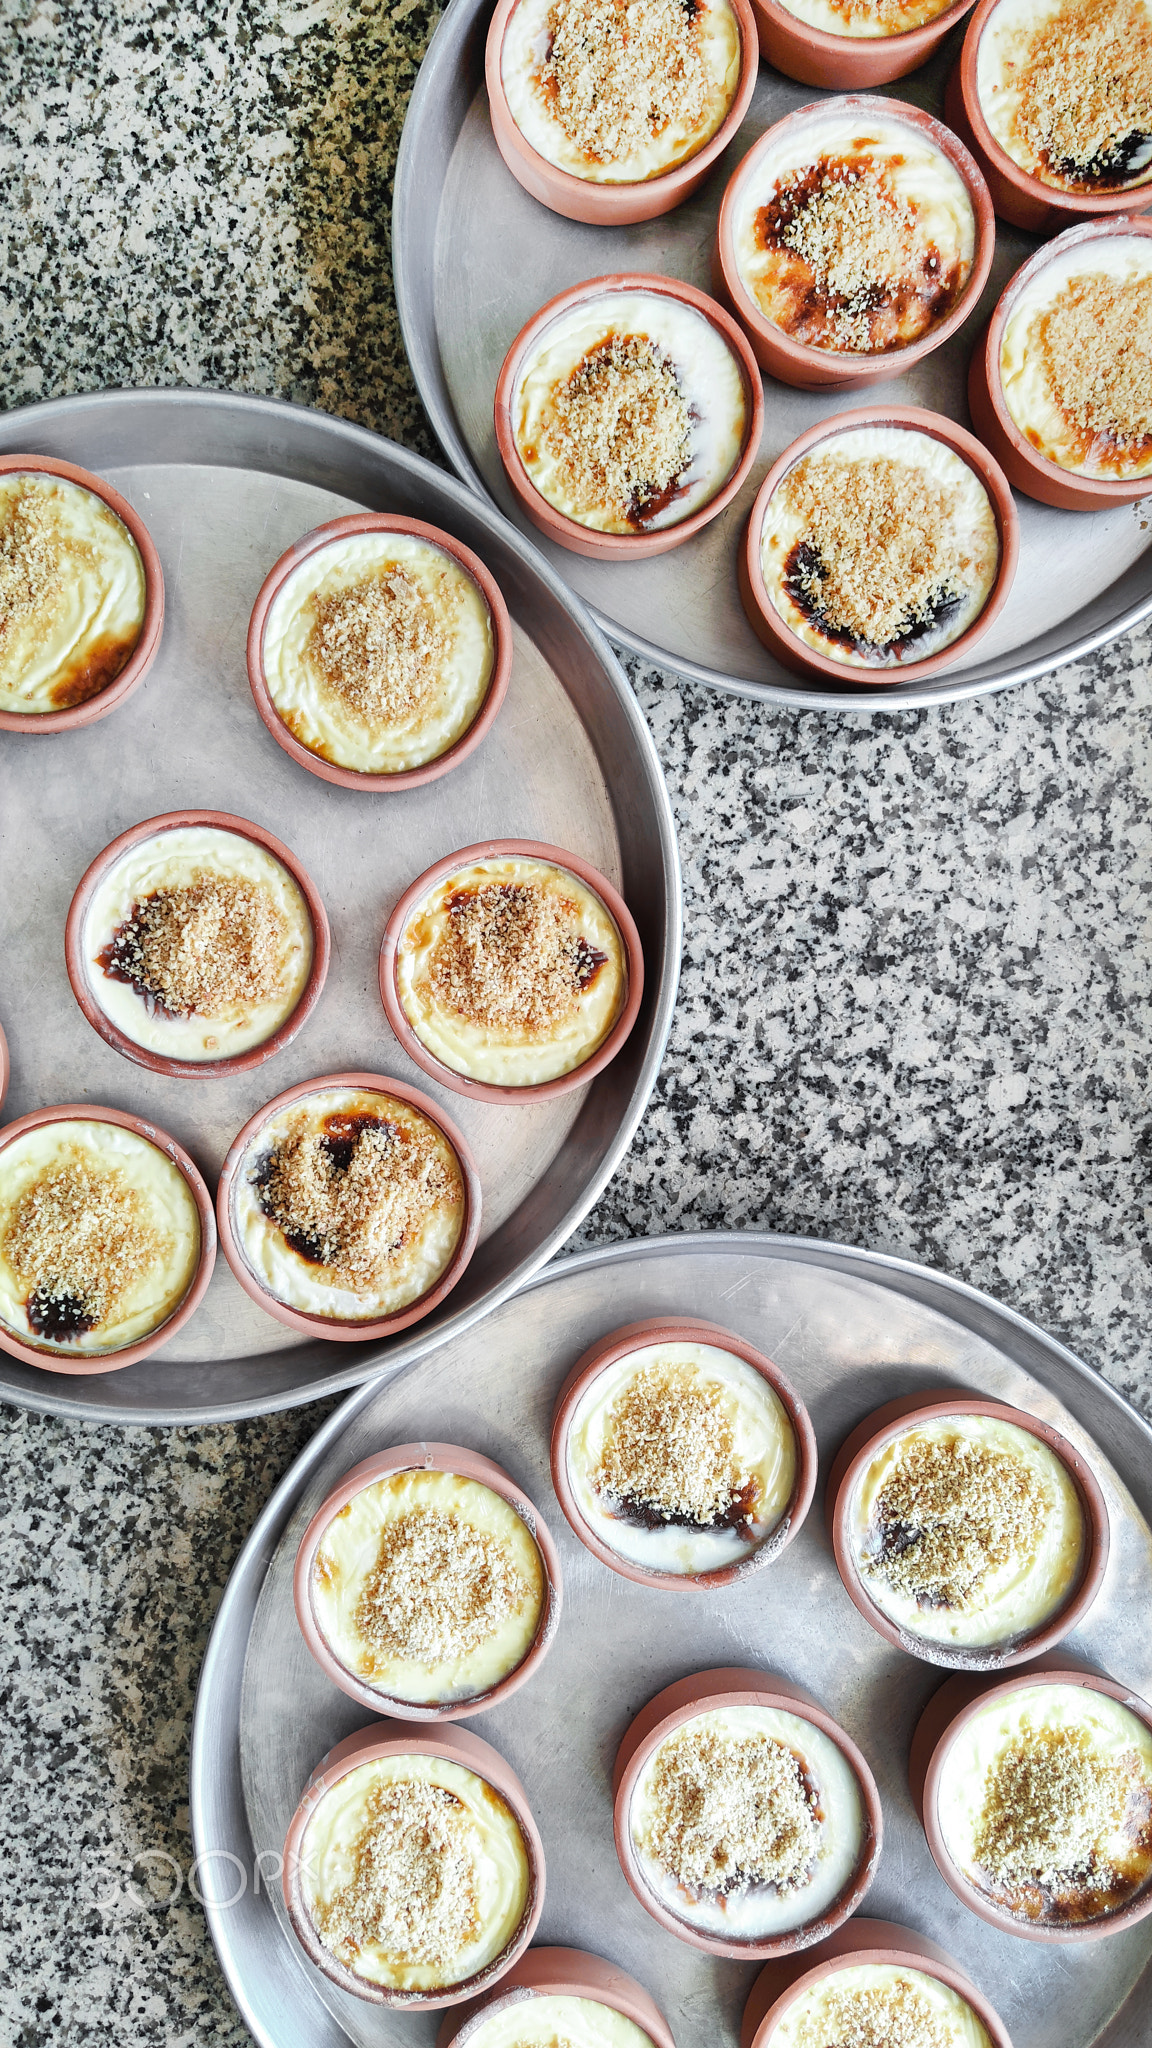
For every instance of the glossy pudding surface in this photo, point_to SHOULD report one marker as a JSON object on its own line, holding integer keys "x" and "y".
{"x": 879, "y": 2005}
{"x": 72, "y": 593}
{"x": 1076, "y": 359}
{"x": 1066, "y": 89}
{"x": 554, "y": 2020}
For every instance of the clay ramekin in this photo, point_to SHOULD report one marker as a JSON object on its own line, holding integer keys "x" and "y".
{"x": 151, "y": 626}
{"x": 499, "y": 849}
{"x": 586, "y": 199}
{"x": 1023, "y": 464}
{"x": 457, "y": 1746}
{"x": 686, "y": 1700}
{"x": 847, "y": 63}
{"x": 813, "y": 369}
{"x": 866, "y": 1442}
{"x": 426, "y": 1457}
{"x": 322, "y": 537}
{"x": 879, "y": 1943}
{"x": 1016, "y": 195}
{"x": 114, "y": 1361}
{"x": 681, "y": 1330}
{"x": 82, "y": 988}
{"x": 328, "y": 1326}
{"x": 947, "y": 1712}
{"x": 560, "y": 1973}
{"x": 585, "y": 540}
{"x": 766, "y": 621}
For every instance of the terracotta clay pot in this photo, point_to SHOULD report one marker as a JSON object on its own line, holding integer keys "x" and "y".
{"x": 704, "y": 1693}
{"x": 151, "y": 626}
{"x": 115, "y": 1361}
{"x": 589, "y": 200}
{"x": 84, "y": 989}
{"x": 1022, "y": 464}
{"x": 312, "y": 543}
{"x": 946, "y": 1714}
{"x": 681, "y": 1330}
{"x": 847, "y": 63}
{"x": 868, "y": 1440}
{"x": 336, "y": 1331}
{"x": 560, "y": 1973}
{"x": 394, "y": 1738}
{"x": 499, "y": 849}
{"x": 796, "y": 362}
{"x": 766, "y": 621}
{"x": 585, "y": 540}
{"x": 877, "y": 1942}
{"x": 426, "y": 1457}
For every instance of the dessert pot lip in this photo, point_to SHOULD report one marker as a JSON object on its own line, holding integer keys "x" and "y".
{"x": 861, "y": 1943}
{"x": 556, "y": 1972}
{"x": 329, "y": 535}
{"x": 844, "y": 60}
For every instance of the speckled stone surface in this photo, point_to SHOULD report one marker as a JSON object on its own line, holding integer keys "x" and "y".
{"x": 914, "y": 1012}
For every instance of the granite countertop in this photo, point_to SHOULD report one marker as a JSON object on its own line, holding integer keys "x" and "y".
{"x": 914, "y": 1011}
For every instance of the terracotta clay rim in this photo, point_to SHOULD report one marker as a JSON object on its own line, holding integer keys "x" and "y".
{"x": 589, "y": 200}
{"x": 686, "y": 1700}
{"x": 427, "y": 1457}
{"x": 458, "y": 1746}
{"x": 868, "y": 1440}
{"x": 554, "y": 856}
{"x": 585, "y": 540}
{"x": 874, "y": 1943}
{"x": 561, "y": 1973}
{"x": 1029, "y": 470}
{"x": 115, "y": 1361}
{"x": 797, "y": 362}
{"x": 682, "y": 1330}
{"x": 142, "y": 1055}
{"x": 151, "y": 625}
{"x": 762, "y": 614}
{"x": 842, "y": 62}
{"x": 337, "y": 1331}
{"x": 311, "y": 544}
{"x": 955, "y": 1704}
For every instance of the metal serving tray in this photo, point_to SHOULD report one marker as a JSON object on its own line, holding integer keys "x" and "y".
{"x": 852, "y": 1329}
{"x": 474, "y": 257}
{"x": 225, "y": 483}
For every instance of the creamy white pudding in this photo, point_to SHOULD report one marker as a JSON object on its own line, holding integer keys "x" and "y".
{"x": 879, "y": 2005}
{"x": 414, "y": 1872}
{"x": 628, "y": 412}
{"x": 72, "y": 593}
{"x": 428, "y": 1587}
{"x": 378, "y": 652}
{"x": 348, "y": 1204}
{"x": 854, "y": 233}
{"x": 197, "y": 943}
{"x": 681, "y": 1458}
{"x": 747, "y": 1822}
{"x": 511, "y": 971}
{"x": 551, "y": 2019}
{"x": 1076, "y": 358}
{"x": 1066, "y": 89}
{"x": 619, "y": 91}
{"x": 1044, "y": 1804}
{"x": 99, "y": 1237}
{"x": 880, "y": 547}
{"x": 865, "y": 18}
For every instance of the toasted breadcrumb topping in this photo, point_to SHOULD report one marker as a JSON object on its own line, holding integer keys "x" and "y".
{"x": 859, "y": 236}
{"x": 619, "y": 429}
{"x": 413, "y": 1891}
{"x": 1095, "y": 342}
{"x": 34, "y": 552}
{"x": 894, "y": 2015}
{"x": 381, "y": 646}
{"x": 620, "y": 72}
{"x": 669, "y": 1442}
{"x": 1052, "y": 1806}
{"x": 951, "y": 1515}
{"x": 511, "y": 957}
{"x": 439, "y": 1589}
{"x": 730, "y": 1811}
{"x": 205, "y": 946}
{"x": 80, "y": 1239}
{"x": 356, "y": 1219}
{"x": 1084, "y": 81}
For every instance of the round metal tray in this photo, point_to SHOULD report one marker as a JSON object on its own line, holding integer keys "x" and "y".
{"x": 851, "y": 1329}
{"x": 474, "y": 256}
{"x": 225, "y": 483}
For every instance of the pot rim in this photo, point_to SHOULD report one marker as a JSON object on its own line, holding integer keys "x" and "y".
{"x": 561, "y": 1972}
{"x": 884, "y": 1944}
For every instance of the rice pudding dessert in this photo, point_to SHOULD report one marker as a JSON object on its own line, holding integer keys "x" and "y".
{"x": 99, "y": 1237}
{"x": 428, "y": 1587}
{"x": 619, "y": 91}
{"x": 968, "y": 1532}
{"x": 415, "y": 1873}
{"x": 1044, "y": 1804}
{"x": 1076, "y": 358}
{"x": 854, "y": 233}
{"x": 1066, "y": 89}
{"x": 511, "y": 971}
{"x": 865, "y": 18}
{"x": 348, "y": 1204}
{"x": 378, "y": 652}
{"x": 682, "y": 1458}
{"x": 748, "y": 1822}
{"x": 879, "y": 547}
{"x": 629, "y": 412}
{"x": 72, "y": 593}
{"x": 197, "y": 943}
{"x": 879, "y": 2005}
{"x": 556, "y": 2020}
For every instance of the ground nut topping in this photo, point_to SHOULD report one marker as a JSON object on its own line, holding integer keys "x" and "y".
{"x": 33, "y": 554}
{"x": 895, "y": 2015}
{"x": 953, "y": 1513}
{"x": 511, "y": 957}
{"x": 669, "y": 1444}
{"x": 355, "y": 1195}
{"x": 619, "y": 429}
{"x": 413, "y": 1889}
{"x": 381, "y": 646}
{"x": 80, "y": 1240}
{"x": 620, "y": 72}
{"x": 1051, "y": 1805}
{"x": 1096, "y": 344}
{"x": 730, "y": 1811}
{"x": 1085, "y": 86}
{"x": 203, "y": 946}
{"x": 439, "y": 1589}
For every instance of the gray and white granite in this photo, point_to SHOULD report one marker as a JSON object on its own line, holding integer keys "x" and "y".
{"x": 914, "y": 1011}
